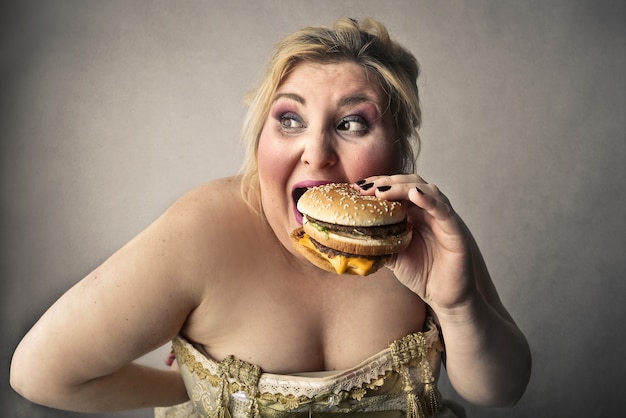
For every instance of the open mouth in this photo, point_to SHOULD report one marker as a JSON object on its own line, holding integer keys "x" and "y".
{"x": 296, "y": 195}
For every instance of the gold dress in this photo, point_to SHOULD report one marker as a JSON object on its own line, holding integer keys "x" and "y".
{"x": 399, "y": 381}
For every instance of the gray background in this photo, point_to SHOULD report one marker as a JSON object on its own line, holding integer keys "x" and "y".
{"x": 110, "y": 110}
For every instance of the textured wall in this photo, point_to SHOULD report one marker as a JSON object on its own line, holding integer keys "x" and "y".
{"x": 110, "y": 110}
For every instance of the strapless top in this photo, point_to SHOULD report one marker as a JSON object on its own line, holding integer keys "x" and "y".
{"x": 399, "y": 381}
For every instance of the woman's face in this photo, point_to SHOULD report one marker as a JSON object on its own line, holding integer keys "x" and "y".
{"x": 327, "y": 123}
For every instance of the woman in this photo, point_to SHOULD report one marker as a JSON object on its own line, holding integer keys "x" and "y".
{"x": 257, "y": 329}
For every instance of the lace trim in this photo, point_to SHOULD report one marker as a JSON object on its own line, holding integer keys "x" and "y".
{"x": 234, "y": 376}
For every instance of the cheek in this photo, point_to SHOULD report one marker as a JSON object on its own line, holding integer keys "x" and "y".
{"x": 270, "y": 157}
{"x": 377, "y": 160}
{"x": 392, "y": 155}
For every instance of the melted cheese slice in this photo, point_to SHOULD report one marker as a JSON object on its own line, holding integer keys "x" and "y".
{"x": 342, "y": 264}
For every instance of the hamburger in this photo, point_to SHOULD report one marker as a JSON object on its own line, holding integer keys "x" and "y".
{"x": 347, "y": 233}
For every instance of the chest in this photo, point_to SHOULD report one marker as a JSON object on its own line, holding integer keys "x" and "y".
{"x": 301, "y": 324}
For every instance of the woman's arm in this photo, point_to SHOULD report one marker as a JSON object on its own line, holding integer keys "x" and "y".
{"x": 487, "y": 357}
{"x": 79, "y": 355}
{"x": 488, "y": 360}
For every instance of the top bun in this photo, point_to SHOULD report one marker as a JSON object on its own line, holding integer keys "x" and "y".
{"x": 340, "y": 204}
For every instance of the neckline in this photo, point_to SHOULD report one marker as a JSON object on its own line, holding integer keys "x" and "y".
{"x": 380, "y": 361}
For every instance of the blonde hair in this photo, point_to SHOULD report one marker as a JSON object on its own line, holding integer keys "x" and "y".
{"x": 366, "y": 43}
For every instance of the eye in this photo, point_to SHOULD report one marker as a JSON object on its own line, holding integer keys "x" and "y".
{"x": 290, "y": 121}
{"x": 353, "y": 125}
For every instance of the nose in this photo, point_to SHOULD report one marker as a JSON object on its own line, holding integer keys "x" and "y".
{"x": 319, "y": 151}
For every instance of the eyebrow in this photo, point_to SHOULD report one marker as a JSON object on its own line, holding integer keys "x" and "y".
{"x": 345, "y": 101}
{"x": 291, "y": 96}
{"x": 357, "y": 99}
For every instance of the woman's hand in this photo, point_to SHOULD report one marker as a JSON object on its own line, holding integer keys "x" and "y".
{"x": 437, "y": 265}
{"x": 487, "y": 357}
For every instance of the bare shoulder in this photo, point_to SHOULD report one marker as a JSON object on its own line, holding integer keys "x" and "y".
{"x": 213, "y": 227}
{"x": 214, "y": 196}
{"x": 210, "y": 225}
{"x": 209, "y": 211}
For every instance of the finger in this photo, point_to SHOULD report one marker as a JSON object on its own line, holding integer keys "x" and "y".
{"x": 425, "y": 195}
{"x": 385, "y": 188}
{"x": 430, "y": 198}
{"x": 369, "y": 185}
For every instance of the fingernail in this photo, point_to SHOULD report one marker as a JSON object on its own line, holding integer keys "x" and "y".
{"x": 367, "y": 186}
{"x": 419, "y": 190}
{"x": 360, "y": 182}
{"x": 384, "y": 188}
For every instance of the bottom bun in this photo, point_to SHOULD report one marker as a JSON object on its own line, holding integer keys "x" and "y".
{"x": 339, "y": 264}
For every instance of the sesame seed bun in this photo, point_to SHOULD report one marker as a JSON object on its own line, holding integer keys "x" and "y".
{"x": 340, "y": 204}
